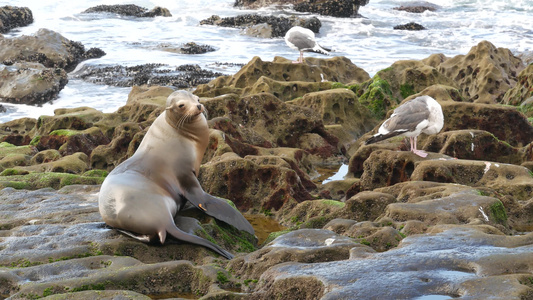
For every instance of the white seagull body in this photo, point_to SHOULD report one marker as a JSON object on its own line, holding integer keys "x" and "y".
{"x": 420, "y": 115}
{"x": 303, "y": 40}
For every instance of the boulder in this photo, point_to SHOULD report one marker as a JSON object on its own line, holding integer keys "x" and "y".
{"x": 131, "y": 10}
{"x": 264, "y": 26}
{"x": 341, "y": 113}
{"x": 46, "y": 47}
{"x": 433, "y": 264}
{"x": 31, "y": 83}
{"x": 266, "y": 188}
{"x": 336, "y": 8}
{"x": 336, "y": 69}
{"x": 13, "y": 17}
{"x": 485, "y": 73}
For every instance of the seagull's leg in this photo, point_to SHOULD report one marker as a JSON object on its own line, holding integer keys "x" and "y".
{"x": 300, "y": 59}
{"x": 420, "y": 153}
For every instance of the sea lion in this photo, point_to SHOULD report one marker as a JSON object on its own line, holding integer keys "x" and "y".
{"x": 142, "y": 195}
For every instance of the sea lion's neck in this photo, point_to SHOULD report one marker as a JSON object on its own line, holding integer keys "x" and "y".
{"x": 197, "y": 131}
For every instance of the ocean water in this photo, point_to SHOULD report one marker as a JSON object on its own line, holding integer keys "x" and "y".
{"x": 369, "y": 42}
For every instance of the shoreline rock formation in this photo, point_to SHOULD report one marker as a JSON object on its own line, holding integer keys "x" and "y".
{"x": 455, "y": 224}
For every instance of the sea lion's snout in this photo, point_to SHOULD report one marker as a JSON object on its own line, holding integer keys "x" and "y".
{"x": 199, "y": 107}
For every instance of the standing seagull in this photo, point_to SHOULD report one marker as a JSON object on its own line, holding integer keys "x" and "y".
{"x": 303, "y": 40}
{"x": 422, "y": 114}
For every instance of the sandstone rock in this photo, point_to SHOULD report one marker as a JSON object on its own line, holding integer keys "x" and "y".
{"x": 108, "y": 156}
{"x": 503, "y": 178}
{"x": 402, "y": 79}
{"x": 130, "y": 10}
{"x": 31, "y": 83}
{"x": 484, "y": 74}
{"x": 13, "y": 16}
{"x": 280, "y": 124}
{"x": 385, "y": 167}
{"x": 17, "y": 132}
{"x": 46, "y": 47}
{"x": 187, "y": 48}
{"x": 340, "y": 107}
{"x": 504, "y": 122}
{"x": 336, "y": 69}
{"x": 433, "y": 264}
{"x": 267, "y": 187}
{"x": 474, "y": 144}
{"x": 304, "y": 245}
{"x": 523, "y": 89}
{"x": 311, "y": 213}
{"x": 460, "y": 208}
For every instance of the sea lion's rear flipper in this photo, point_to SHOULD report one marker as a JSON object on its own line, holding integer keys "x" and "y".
{"x": 193, "y": 239}
{"x": 213, "y": 206}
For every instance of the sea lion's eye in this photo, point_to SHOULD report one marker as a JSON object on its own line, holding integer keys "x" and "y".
{"x": 181, "y": 105}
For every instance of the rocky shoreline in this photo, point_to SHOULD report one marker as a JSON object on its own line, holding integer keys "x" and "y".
{"x": 457, "y": 224}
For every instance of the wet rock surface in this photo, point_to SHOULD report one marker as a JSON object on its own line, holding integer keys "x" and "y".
{"x": 455, "y": 224}
{"x": 13, "y": 17}
{"x": 34, "y": 68}
{"x": 184, "y": 76}
{"x": 264, "y": 26}
{"x": 131, "y": 10}
{"x": 336, "y": 8}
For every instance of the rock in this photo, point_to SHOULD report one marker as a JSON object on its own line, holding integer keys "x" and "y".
{"x": 409, "y": 26}
{"x": 475, "y": 144}
{"x": 267, "y": 188}
{"x": 272, "y": 26}
{"x": 276, "y": 122}
{"x": 417, "y": 7}
{"x": 131, "y": 10}
{"x": 402, "y": 79}
{"x": 304, "y": 245}
{"x": 484, "y": 74}
{"x": 184, "y": 76}
{"x": 341, "y": 113}
{"x": 447, "y": 257}
{"x": 187, "y": 48}
{"x": 502, "y": 178}
{"x": 523, "y": 89}
{"x": 385, "y": 167}
{"x": 311, "y": 213}
{"x": 45, "y": 47}
{"x": 13, "y": 16}
{"x": 336, "y": 8}
{"x": 31, "y": 83}
{"x": 336, "y": 69}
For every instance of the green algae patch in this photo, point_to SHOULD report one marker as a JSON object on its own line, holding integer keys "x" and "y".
{"x": 64, "y": 132}
{"x": 7, "y": 149}
{"x": 35, "y": 181}
{"x": 96, "y": 173}
{"x": 377, "y": 96}
{"x": 497, "y": 211}
{"x": 274, "y": 235}
{"x": 333, "y": 203}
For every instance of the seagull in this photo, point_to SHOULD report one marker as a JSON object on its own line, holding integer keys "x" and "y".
{"x": 303, "y": 40}
{"x": 421, "y": 114}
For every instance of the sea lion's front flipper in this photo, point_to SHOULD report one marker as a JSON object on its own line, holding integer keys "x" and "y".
{"x": 213, "y": 206}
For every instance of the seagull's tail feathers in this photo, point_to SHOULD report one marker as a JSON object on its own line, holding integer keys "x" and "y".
{"x": 321, "y": 50}
{"x": 380, "y": 137}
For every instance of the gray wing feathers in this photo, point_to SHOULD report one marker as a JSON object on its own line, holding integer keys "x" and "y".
{"x": 408, "y": 116}
{"x": 301, "y": 41}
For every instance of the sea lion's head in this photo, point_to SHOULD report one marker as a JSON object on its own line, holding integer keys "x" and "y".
{"x": 183, "y": 108}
